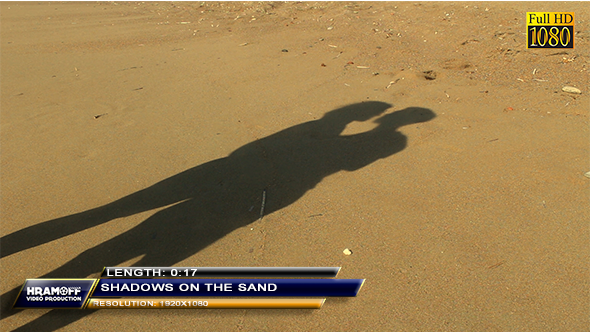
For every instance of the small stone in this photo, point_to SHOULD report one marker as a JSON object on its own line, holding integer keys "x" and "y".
{"x": 587, "y": 174}
{"x": 430, "y": 75}
{"x": 571, "y": 89}
{"x": 347, "y": 252}
{"x": 330, "y": 28}
{"x": 285, "y": 50}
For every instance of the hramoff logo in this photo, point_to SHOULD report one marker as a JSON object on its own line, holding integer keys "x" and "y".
{"x": 54, "y": 294}
{"x": 54, "y": 290}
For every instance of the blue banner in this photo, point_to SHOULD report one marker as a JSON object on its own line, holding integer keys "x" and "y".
{"x": 228, "y": 287}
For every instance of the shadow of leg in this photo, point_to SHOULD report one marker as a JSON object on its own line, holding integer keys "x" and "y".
{"x": 191, "y": 183}
{"x": 51, "y": 230}
{"x": 166, "y": 238}
{"x": 54, "y": 320}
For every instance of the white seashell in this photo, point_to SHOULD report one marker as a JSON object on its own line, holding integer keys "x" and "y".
{"x": 571, "y": 89}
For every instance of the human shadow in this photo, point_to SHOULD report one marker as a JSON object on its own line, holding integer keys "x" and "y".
{"x": 207, "y": 202}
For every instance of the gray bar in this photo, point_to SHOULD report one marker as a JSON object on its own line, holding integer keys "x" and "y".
{"x": 220, "y": 272}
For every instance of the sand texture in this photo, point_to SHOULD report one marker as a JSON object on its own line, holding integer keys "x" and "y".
{"x": 425, "y": 138}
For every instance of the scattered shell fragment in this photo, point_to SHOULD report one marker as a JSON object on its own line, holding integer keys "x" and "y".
{"x": 244, "y": 44}
{"x": 587, "y": 174}
{"x": 347, "y": 252}
{"x": 393, "y": 82}
{"x": 330, "y": 28}
{"x": 363, "y": 67}
{"x": 571, "y": 89}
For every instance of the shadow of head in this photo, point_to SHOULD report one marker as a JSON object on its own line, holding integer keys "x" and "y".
{"x": 405, "y": 117}
{"x": 357, "y": 112}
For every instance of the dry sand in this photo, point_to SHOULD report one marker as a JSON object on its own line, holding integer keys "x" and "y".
{"x": 476, "y": 220}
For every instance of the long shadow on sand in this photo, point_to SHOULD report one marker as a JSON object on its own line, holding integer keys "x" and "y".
{"x": 211, "y": 200}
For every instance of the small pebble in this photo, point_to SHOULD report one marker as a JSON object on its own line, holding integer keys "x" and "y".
{"x": 347, "y": 252}
{"x": 571, "y": 89}
{"x": 284, "y": 50}
{"x": 587, "y": 174}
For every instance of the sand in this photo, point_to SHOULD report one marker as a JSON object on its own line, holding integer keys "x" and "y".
{"x": 145, "y": 133}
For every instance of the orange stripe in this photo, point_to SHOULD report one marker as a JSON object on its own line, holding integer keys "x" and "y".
{"x": 200, "y": 303}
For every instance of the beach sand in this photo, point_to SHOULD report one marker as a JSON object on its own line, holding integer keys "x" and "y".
{"x": 472, "y": 219}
